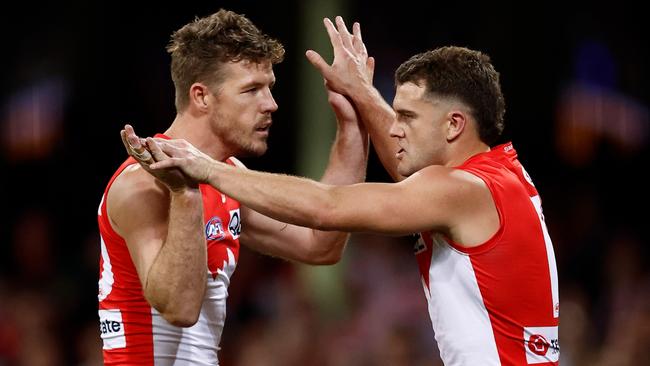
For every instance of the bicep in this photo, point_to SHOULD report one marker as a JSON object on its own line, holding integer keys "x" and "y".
{"x": 419, "y": 203}
{"x": 138, "y": 211}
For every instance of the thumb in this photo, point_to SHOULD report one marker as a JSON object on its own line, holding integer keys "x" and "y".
{"x": 318, "y": 62}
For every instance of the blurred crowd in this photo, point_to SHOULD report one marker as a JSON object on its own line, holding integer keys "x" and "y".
{"x": 367, "y": 310}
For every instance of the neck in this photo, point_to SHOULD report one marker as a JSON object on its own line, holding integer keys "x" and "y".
{"x": 197, "y": 132}
{"x": 463, "y": 150}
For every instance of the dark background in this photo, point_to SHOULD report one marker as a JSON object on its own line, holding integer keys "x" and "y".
{"x": 575, "y": 80}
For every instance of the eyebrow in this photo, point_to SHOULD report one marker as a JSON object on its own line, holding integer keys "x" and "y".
{"x": 405, "y": 112}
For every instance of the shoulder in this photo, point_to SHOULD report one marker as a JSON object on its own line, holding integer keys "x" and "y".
{"x": 135, "y": 195}
{"x": 452, "y": 187}
{"x": 447, "y": 178}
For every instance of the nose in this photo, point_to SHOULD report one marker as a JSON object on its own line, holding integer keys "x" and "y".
{"x": 396, "y": 131}
{"x": 269, "y": 105}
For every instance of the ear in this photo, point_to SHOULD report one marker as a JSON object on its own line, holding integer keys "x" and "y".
{"x": 199, "y": 97}
{"x": 456, "y": 122}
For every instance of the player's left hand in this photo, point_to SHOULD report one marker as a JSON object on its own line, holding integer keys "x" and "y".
{"x": 138, "y": 148}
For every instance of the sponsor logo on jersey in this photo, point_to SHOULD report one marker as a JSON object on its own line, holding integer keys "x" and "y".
{"x": 234, "y": 224}
{"x": 542, "y": 344}
{"x": 538, "y": 345}
{"x": 420, "y": 246}
{"x": 112, "y": 328}
{"x": 214, "y": 229}
{"x": 527, "y": 176}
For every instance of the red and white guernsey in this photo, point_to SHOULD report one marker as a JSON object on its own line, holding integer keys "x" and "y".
{"x": 498, "y": 303}
{"x": 133, "y": 332}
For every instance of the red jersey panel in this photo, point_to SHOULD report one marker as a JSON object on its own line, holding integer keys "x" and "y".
{"x": 498, "y": 303}
{"x": 133, "y": 332}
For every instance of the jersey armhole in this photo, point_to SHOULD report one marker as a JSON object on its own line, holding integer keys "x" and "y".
{"x": 494, "y": 239}
{"x": 235, "y": 162}
{"x": 106, "y": 222}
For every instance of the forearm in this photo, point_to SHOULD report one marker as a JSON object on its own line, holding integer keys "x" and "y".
{"x": 347, "y": 165}
{"x": 289, "y": 199}
{"x": 348, "y": 156}
{"x": 378, "y": 117}
{"x": 176, "y": 281}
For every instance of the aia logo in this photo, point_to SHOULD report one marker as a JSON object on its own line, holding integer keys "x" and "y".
{"x": 538, "y": 345}
{"x": 214, "y": 229}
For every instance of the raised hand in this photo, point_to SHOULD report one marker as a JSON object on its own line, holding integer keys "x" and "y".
{"x": 343, "y": 108}
{"x": 351, "y": 68}
{"x": 138, "y": 148}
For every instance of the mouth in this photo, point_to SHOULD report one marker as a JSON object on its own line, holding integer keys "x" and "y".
{"x": 399, "y": 154}
{"x": 264, "y": 128}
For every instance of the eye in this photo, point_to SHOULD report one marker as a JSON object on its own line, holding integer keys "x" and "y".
{"x": 405, "y": 117}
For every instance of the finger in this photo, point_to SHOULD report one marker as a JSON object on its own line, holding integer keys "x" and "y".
{"x": 356, "y": 30}
{"x": 346, "y": 37}
{"x": 370, "y": 63}
{"x": 167, "y": 147}
{"x": 357, "y": 41}
{"x": 156, "y": 151}
{"x": 143, "y": 158}
{"x": 164, "y": 164}
{"x": 178, "y": 143}
{"x": 131, "y": 137}
{"x": 141, "y": 155}
{"x": 133, "y": 140}
{"x": 126, "y": 144}
{"x": 335, "y": 37}
{"x": 318, "y": 62}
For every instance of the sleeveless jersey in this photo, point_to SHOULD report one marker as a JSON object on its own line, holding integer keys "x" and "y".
{"x": 133, "y": 332}
{"x": 498, "y": 303}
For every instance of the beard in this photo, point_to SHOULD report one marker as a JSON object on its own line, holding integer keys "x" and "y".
{"x": 241, "y": 139}
{"x": 252, "y": 149}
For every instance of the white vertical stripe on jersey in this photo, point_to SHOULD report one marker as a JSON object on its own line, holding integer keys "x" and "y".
{"x": 198, "y": 344}
{"x": 550, "y": 254}
{"x": 106, "y": 280}
{"x": 462, "y": 326}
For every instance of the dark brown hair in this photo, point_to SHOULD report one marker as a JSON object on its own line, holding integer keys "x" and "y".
{"x": 461, "y": 73}
{"x": 200, "y": 48}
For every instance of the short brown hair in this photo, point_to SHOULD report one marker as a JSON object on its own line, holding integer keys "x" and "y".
{"x": 199, "y": 48}
{"x": 460, "y": 73}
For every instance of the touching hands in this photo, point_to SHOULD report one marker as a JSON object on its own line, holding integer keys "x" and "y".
{"x": 180, "y": 154}
{"x": 343, "y": 108}
{"x": 141, "y": 150}
{"x": 352, "y": 68}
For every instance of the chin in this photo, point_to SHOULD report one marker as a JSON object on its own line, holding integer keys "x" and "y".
{"x": 403, "y": 171}
{"x": 408, "y": 170}
{"x": 254, "y": 150}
